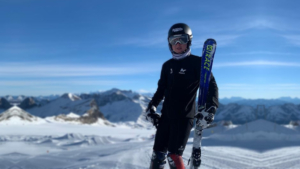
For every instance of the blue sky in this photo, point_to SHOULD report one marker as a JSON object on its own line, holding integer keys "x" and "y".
{"x": 54, "y": 47}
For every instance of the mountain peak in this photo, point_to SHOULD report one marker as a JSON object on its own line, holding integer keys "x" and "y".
{"x": 71, "y": 96}
{"x": 15, "y": 114}
{"x": 4, "y": 104}
{"x": 27, "y": 103}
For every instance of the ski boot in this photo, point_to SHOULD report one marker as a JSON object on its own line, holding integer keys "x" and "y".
{"x": 175, "y": 161}
{"x": 158, "y": 160}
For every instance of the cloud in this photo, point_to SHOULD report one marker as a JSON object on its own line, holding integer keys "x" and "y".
{"x": 226, "y": 31}
{"x": 222, "y": 40}
{"x": 51, "y": 83}
{"x": 265, "y": 23}
{"x": 293, "y": 39}
{"x": 219, "y": 30}
{"x": 60, "y": 70}
{"x": 259, "y": 53}
{"x": 238, "y": 24}
{"x": 256, "y": 63}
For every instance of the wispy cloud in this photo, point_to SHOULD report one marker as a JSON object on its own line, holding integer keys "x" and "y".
{"x": 56, "y": 86}
{"x": 59, "y": 70}
{"x": 293, "y": 39}
{"x": 280, "y": 23}
{"x": 265, "y": 23}
{"x": 260, "y": 53}
{"x": 218, "y": 30}
{"x": 51, "y": 83}
{"x": 222, "y": 40}
{"x": 276, "y": 23}
{"x": 256, "y": 63}
{"x": 227, "y": 31}
{"x": 239, "y": 24}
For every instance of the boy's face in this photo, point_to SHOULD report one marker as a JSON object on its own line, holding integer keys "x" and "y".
{"x": 179, "y": 48}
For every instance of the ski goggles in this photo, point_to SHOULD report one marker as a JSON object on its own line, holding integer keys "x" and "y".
{"x": 182, "y": 39}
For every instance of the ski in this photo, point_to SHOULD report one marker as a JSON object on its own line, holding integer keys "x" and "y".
{"x": 208, "y": 53}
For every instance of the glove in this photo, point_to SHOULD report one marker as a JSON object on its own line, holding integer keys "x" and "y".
{"x": 205, "y": 116}
{"x": 152, "y": 116}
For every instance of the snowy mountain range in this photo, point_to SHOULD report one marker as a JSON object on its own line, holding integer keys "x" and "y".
{"x": 128, "y": 107}
{"x": 240, "y": 114}
{"x": 117, "y": 106}
{"x": 256, "y": 102}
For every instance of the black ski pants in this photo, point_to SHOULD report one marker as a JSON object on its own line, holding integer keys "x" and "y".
{"x": 172, "y": 135}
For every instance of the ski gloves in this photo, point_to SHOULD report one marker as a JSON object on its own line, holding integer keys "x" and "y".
{"x": 205, "y": 116}
{"x": 152, "y": 116}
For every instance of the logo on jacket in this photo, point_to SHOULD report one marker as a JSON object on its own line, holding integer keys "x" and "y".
{"x": 171, "y": 71}
{"x": 182, "y": 71}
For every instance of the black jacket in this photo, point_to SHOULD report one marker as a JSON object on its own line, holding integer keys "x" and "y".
{"x": 178, "y": 85}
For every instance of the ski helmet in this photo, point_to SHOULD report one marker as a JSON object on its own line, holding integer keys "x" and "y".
{"x": 180, "y": 28}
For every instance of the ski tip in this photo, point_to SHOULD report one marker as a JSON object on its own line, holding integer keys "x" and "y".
{"x": 211, "y": 39}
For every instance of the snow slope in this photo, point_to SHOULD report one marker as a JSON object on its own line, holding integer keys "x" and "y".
{"x": 136, "y": 155}
{"x": 259, "y": 130}
{"x": 71, "y": 146}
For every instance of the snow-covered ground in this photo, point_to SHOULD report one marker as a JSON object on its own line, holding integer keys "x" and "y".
{"x": 58, "y": 145}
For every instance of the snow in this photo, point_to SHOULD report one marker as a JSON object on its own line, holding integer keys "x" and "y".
{"x": 72, "y": 115}
{"x": 73, "y": 97}
{"x": 30, "y": 142}
{"x": 17, "y": 116}
{"x": 58, "y": 145}
{"x": 18, "y": 121}
{"x": 55, "y": 120}
{"x": 259, "y": 130}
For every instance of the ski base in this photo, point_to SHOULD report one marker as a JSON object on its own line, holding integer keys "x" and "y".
{"x": 195, "y": 159}
{"x": 191, "y": 164}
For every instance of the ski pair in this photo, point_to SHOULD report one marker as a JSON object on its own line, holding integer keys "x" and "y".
{"x": 208, "y": 53}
